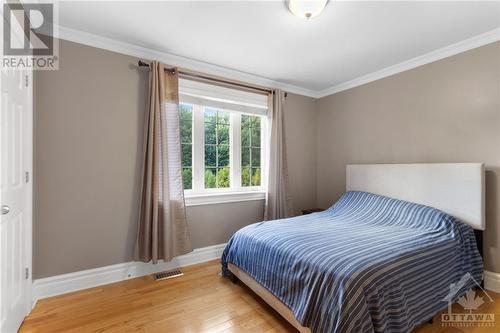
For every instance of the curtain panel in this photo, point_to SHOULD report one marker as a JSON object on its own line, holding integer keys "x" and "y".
{"x": 162, "y": 230}
{"x": 278, "y": 201}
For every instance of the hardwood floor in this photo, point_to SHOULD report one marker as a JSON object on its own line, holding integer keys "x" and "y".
{"x": 199, "y": 301}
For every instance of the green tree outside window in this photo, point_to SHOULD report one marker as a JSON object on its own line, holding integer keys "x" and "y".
{"x": 250, "y": 151}
{"x": 217, "y": 147}
{"x": 186, "y": 129}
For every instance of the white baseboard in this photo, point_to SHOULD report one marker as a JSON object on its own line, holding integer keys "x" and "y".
{"x": 492, "y": 281}
{"x": 65, "y": 283}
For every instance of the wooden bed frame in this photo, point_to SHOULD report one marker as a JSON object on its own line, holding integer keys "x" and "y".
{"x": 456, "y": 188}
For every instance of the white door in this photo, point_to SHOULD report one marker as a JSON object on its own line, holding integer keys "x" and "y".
{"x": 15, "y": 198}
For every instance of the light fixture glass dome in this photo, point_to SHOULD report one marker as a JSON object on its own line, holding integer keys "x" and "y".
{"x": 306, "y": 8}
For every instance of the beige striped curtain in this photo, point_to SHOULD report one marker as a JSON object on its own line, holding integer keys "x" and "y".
{"x": 278, "y": 201}
{"x": 162, "y": 232}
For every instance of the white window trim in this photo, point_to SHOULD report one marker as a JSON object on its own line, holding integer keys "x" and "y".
{"x": 195, "y": 92}
{"x": 223, "y": 197}
{"x": 199, "y": 195}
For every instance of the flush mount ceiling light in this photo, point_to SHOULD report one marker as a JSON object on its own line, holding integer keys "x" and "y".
{"x": 306, "y": 8}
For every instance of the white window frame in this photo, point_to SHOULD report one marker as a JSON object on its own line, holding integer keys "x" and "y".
{"x": 199, "y": 195}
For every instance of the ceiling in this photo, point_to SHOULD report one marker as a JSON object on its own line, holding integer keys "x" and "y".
{"x": 348, "y": 40}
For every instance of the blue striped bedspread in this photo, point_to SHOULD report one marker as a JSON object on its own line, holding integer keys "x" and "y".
{"x": 367, "y": 264}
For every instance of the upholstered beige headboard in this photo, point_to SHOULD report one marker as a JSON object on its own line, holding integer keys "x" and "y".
{"x": 455, "y": 188}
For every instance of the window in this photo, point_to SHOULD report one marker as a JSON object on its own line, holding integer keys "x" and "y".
{"x": 222, "y": 150}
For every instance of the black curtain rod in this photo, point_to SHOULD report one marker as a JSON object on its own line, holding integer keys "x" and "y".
{"x": 208, "y": 78}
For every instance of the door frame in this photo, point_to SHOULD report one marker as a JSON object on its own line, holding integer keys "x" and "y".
{"x": 28, "y": 237}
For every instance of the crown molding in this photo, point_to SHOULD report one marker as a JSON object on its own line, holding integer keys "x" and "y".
{"x": 447, "y": 51}
{"x": 113, "y": 45}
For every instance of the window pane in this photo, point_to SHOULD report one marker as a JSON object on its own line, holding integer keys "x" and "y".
{"x": 255, "y": 176}
{"x": 255, "y": 157}
{"x": 210, "y": 133}
{"x": 245, "y": 120}
{"x": 223, "y": 117}
{"x": 217, "y": 148}
{"x": 223, "y": 177}
{"x": 210, "y": 156}
{"x": 187, "y": 178}
{"x": 223, "y": 134}
{"x": 210, "y": 115}
{"x": 187, "y": 155}
{"x": 255, "y": 121}
{"x": 186, "y": 112}
{"x": 245, "y": 176}
{"x": 186, "y": 123}
{"x": 245, "y": 136}
{"x": 210, "y": 178}
{"x": 245, "y": 156}
{"x": 255, "y": 136}
{"x": 250, "y": 151}
{"x": 223, "y": 155}
{"x": 186, "y": 130}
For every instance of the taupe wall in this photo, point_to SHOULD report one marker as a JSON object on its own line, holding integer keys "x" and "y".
{"x": 446, "y": 111}
{"x": 88, "y": 133}
{"x": 300, "y": 134}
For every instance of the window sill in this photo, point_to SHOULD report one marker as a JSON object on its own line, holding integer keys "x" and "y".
{"x": 217, "y": 198}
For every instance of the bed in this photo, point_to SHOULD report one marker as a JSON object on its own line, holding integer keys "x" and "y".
{"x": 380, "y": 259}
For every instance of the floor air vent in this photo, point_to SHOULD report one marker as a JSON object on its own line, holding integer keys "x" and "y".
{"x": 168, "y": 275}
